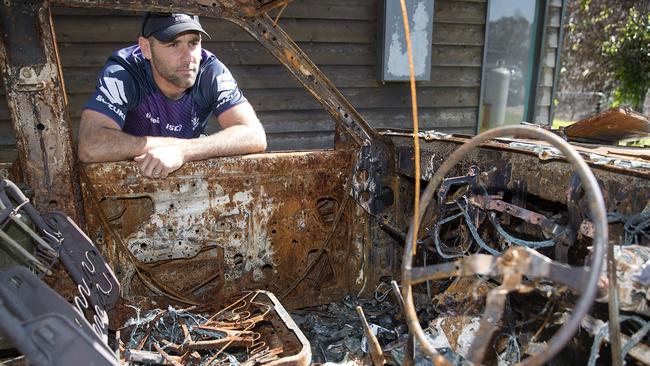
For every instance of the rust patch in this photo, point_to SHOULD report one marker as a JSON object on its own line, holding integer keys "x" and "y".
{"x": 460, "y": 304}
{"x": 35, "y": 96}
{"x": 7, "y": 171}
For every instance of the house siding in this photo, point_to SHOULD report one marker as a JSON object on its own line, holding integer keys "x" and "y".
{"x": 543, "y": 108}
{"x": 339, "y": 36}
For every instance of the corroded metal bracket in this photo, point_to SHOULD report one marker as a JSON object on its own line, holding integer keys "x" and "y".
{"x": 374, "y": 157}
{"x": 36, "y": 98}
{"x": 368, "y": 188}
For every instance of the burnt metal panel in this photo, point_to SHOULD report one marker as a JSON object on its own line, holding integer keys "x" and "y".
{"x": 625, "y": 190}
{"x": 373, "y": 161}
{"x": 218, "y": 227}
{"x": 35, "y": 95}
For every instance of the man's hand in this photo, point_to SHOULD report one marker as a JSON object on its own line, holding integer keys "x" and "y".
{"x": 159, "y": 162}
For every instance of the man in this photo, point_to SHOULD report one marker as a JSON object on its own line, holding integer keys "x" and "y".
{"x": 154, "y": 99}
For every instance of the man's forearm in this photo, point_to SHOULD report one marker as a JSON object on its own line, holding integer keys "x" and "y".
{"x": 235, "y": 140}
{"x": 109, "y": 144}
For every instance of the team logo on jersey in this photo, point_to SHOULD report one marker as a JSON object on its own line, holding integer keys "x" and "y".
{"x": 223, "y": 99}
{"x": 174, "y": 128}
{"x": 113, "y": 90}
{"x": 194, "y": 120}
{"x": 225, "y": 84}
{"x": 152, "y": 119}
{"x": 113, "y": 108}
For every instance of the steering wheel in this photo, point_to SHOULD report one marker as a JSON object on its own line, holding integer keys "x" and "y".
{"x": 514, "y": 264}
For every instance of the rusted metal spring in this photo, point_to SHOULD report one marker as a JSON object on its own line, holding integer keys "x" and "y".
{"x": 596, "y": 205}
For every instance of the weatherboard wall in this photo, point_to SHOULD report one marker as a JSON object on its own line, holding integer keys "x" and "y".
{"x": 338, "y": 35}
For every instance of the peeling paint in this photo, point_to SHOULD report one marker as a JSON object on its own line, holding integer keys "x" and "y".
{"x": 466, "y": 336}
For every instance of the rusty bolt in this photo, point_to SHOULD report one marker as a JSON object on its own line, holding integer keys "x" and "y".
{"x": 26, "y": 72}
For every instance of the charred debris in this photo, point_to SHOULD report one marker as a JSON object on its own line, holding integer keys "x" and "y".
{"x": 481, "y": 271}
{"x": 528, "y": 249}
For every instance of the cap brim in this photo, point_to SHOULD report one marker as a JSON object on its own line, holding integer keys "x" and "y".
{"x": 169, "y": 33}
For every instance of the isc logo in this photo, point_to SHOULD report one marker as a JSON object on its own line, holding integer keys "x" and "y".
{"x": 173, "y": 128}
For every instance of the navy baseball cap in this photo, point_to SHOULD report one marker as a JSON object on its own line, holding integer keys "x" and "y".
{"x": 165, "y": 27}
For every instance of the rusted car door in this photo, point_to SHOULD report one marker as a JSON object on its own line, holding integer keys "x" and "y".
{"x": 218, "y": 227}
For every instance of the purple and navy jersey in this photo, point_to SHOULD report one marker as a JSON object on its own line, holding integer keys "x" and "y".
{"x": 126, "y": 92}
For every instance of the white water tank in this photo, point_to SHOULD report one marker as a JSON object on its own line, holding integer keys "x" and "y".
{"x": 496, "y": 94}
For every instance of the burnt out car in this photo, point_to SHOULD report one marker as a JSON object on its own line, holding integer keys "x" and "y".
{"x": 502, "y": 265}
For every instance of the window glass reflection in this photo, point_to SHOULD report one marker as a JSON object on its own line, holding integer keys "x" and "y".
{"x": 507, "y": 69}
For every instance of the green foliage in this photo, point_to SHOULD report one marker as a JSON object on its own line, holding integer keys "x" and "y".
{"x": 629, "y": 51}
{"x": 606, "y": 49}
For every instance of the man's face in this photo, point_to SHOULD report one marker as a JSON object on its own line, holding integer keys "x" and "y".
{"x": 177, "y": 61}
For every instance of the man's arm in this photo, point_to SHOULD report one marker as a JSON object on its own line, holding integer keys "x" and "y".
{"x": 242, "y": 134}
{"x": 101, "y": 140}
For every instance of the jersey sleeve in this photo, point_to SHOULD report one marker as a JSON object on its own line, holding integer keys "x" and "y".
{"x": 115, "y": 93}
{"x": 223, "y": 92}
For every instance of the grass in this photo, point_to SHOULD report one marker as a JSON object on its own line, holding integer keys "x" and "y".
{"x": 557, "y": 123}
{"x": 636, "y": 143}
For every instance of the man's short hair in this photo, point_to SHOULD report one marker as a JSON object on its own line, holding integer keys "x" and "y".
{"x": 166, "y": 26}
